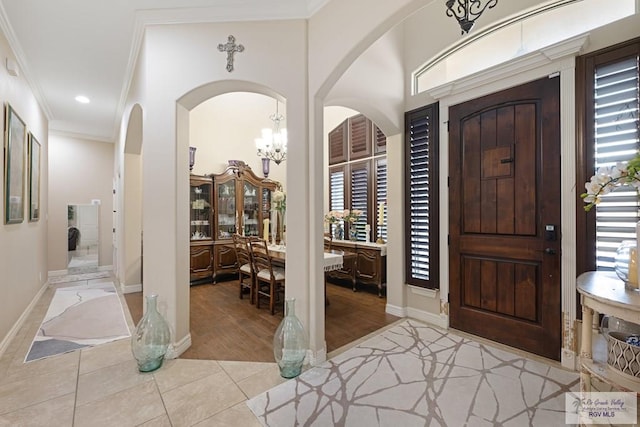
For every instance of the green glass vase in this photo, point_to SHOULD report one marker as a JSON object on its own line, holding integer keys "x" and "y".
{"x": 150, "y": 340}
{"x": 290, "y": 342}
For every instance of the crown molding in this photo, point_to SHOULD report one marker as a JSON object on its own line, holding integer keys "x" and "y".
{"x": 76, "y": 135}
{"x": 16, "y": 47}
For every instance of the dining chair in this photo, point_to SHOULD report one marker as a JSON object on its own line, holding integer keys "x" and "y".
{"x": 269, "y": 278}
{"x": 328, "y": 241}
{"x": 245, "y": 265}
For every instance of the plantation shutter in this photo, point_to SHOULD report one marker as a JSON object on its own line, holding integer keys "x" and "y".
{"x": 338, "y": 144}
{"x": 359, "y": 137}
{"x": 336, "y": 190}
{"x": 616, "y": 108}
{"x": 381, "y": 197}
{"x": 360, "y": 195}
{"x": 421, "y": 181}
{"x": 380, "y": 140}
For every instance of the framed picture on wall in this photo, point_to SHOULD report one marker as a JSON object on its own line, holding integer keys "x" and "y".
{"x": 34, "y": 178}
{"x": 15, "y": 155}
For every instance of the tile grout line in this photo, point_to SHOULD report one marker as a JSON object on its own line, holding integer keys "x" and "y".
{"x": 75, "y": 397}
{"x": 164, "y": 405}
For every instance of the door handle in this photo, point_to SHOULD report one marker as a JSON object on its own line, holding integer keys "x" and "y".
{"x": 550, "y": 251}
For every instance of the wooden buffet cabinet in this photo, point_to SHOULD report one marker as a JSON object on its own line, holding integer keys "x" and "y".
{"x": 241, "y": 201}
{"x": 369, "y": 267}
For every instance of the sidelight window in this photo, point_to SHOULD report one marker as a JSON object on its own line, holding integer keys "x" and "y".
{"x": 421, "y": 197}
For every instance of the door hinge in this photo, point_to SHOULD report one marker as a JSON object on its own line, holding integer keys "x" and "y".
{"x": 447, "y": 122}
{"x": 448, "y": 239}
{"x": 448, "y": 181}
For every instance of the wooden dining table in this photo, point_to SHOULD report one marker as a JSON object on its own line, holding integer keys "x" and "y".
{"x": 333, "y": 258}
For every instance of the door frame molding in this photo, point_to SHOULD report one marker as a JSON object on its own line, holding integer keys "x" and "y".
{"x": 559, "y": 59}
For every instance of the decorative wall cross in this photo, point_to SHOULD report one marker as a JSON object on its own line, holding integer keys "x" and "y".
{"x": 231, "y": 48}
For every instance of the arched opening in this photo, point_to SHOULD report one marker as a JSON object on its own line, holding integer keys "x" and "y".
{"x": 221, "y": 121}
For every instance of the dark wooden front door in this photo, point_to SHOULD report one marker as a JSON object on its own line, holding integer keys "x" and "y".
{"x": 504, "y": 194}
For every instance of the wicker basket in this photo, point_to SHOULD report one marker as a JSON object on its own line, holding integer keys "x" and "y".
{"x": 621, "y": 356}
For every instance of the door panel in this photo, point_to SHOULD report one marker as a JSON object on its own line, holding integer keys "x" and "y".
{"x": 504, "y": 174}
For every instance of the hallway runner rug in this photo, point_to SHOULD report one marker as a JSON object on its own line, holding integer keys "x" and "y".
{"x": 79, "y": 317}
{"x": 417, "y": 375}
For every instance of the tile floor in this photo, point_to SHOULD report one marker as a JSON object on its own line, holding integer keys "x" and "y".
{"x": 101, "y": 386}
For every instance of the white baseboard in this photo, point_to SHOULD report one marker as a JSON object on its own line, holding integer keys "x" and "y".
{"x": 128, "y": 289}
{"x": 20, "y": 322}
{"x": 176, "y": 349}
{"x": 569, "y": 359}
{"x": 427, "y": 317}
{"x": 56, "y": 273}
{"x": 314, "y": 358}
{"x": 394, "y": 310}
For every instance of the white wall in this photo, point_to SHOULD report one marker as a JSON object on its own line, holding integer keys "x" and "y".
{"x": 180, "y": 62}
{"x": 225, "y": 128}
{"x": 374, "y": 83}
{"x": 23, "y": 246}
{"x": 80, "y": 171}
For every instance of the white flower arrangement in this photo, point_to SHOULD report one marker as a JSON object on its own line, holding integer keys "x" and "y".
{"x": 607, "y": 179}
{"x": 279, "y": 200}
{"x": 352, "y": 215}
{"x": 333, "y": 217}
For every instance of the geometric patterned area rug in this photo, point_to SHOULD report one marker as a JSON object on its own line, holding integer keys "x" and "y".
{"x": 417, "y": 375}
{"x": 78, "y": 317}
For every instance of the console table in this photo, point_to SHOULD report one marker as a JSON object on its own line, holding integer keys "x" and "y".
{"x": 603, "y": 292}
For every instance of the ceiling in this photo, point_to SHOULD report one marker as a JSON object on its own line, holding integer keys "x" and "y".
{"x": 66, "y": 48}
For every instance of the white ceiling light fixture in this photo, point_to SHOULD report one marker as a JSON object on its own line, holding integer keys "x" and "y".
{"x": 273, "y": 144}
{"x": 82, "y": 99}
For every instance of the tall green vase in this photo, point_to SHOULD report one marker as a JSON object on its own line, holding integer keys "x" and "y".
{"x": 290, "y": 342}
{"x": 150, "y": 340}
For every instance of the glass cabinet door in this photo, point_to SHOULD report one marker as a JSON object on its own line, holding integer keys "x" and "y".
{"x": 227, "y": 214}
{"x": 251, "y": 209}
{"x": 200, "y": 197}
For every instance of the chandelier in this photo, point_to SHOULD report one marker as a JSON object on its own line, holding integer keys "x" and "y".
{"x": 467, "y": 11}
{"x": 273, "y": 143}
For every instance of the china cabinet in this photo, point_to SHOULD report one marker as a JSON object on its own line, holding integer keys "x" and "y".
{"x": 201, "y": 229}
{"x": 242, "y": 201}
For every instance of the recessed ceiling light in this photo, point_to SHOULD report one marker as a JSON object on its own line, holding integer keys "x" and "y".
{"x": 82, "y": 99}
